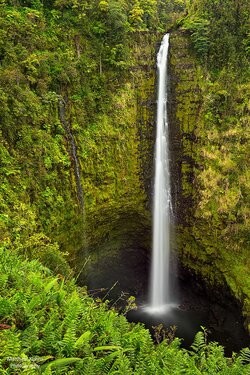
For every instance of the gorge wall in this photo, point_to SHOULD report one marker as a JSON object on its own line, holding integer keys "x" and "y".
{"x": 210, "y": 169}
{"x": 98, "y": 59}
{"x": 118, "y": 212}
{"x": 77, "y": 124}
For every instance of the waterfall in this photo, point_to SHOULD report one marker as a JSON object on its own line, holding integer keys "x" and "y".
{"x": 159, "y": 283}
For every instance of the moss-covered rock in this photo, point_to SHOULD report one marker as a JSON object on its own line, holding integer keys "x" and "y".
{"x": 117, "y": 160}
{"x": 211, "y": 114}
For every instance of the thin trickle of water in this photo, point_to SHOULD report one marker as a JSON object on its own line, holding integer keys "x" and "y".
{"x": 73, "y": 152}
{"x": 159, "y": 287}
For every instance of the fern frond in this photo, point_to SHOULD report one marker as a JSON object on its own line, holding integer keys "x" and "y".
{"x": 245, "y": 355}
{"x": 69, "y": 340}
{"x": 199, "y": 343}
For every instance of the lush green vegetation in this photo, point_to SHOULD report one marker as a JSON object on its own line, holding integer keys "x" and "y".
{"x": 220, "y": 33}
{"x": 82, "y": 54}
{"x": 218, "y": 176}
{"x": 68, "y": 70}
{"x": 51, "y": 326}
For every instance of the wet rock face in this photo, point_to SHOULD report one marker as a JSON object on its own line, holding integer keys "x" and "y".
{"x": 220, "y": 311}
{"x": 183, "y": 109}
{"x": 247, "y": 324}
{"x": 125, "y": 273}
{"x": 118, "y": 230}
{"x": 121, "y": 259}
{"x": 199, "y": 238}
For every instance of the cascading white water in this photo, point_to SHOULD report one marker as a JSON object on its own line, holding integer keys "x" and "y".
{"x": 159, "y": 288}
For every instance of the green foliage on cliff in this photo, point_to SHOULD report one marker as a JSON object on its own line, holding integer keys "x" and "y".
{"x": 78, "y": 53}
{"x": 70, "y": 89}
{"x": 223, "y": 182}
{"x": 214, "y": 113}
{"x": 220, "y": 32}
{"x": 82, "y": 54}
{"x": 50, "y": 326}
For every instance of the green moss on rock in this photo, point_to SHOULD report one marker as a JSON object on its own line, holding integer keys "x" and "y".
{"x": 211, "y": 116}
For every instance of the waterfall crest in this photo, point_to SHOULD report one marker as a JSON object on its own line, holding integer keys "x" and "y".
{"x": 159, "y": 283}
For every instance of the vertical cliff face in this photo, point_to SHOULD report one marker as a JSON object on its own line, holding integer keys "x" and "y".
{"x": 77, "y": 94}
{"x": 208, "y": 145}
{"x": 184, "y": 110}
{"x": 118, "y": 203}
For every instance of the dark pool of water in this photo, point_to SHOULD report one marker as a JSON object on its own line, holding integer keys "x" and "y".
{"x": 198, "y": 306}
{"x": 226, "y": 330}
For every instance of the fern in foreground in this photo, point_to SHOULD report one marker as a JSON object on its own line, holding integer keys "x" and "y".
{"x": 53, "y": 327}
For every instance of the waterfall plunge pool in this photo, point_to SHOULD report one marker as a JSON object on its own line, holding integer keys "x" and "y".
{"x": 197, "y": 305}
{"x": 222, "y": 320}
